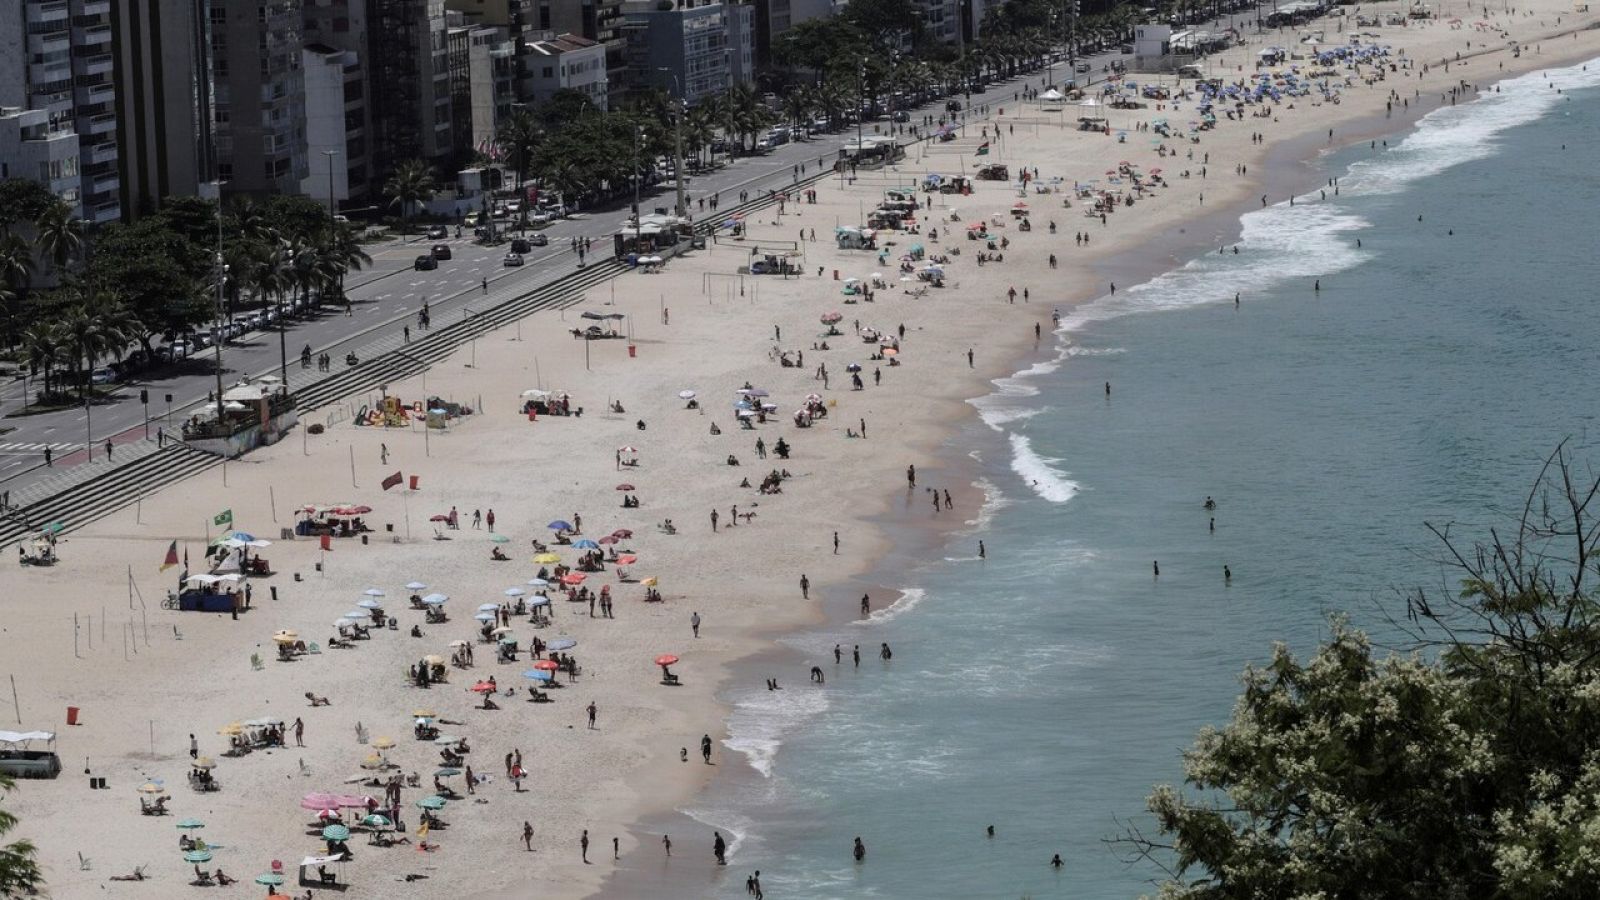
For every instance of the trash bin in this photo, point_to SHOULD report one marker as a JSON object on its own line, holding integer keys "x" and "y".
{"x": 72, "y": 715}
{"x": 632, "y": 351}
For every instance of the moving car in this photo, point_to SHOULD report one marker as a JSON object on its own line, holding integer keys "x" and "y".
{"x": 520, "y": 245}
{"x": 513, "y": 259}
{"x": 540, "y": 239}
{"x": 1082, "y": 67}
{"x": 425, "y": 263}
{"x": 438, "y": 232}
{"x": 441, "y": 251}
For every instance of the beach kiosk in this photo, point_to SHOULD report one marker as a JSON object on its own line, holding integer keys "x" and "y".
{"x": 210, "y": 593}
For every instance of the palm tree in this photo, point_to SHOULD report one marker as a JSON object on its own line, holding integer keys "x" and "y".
{"x": 345, "y": 252}
{"x": 19, "y": 872}
{"x": 16, "y": 270}
{"x": 798, "y": 106}
{"x": 60, "y": 236}
{"x": 520, "y": 136}
{"x": 411, "y": 184}
{"x": 699, "y": 130}
{"x": 96, "y": 326}
{"x": 250, "y": 220}
{"x": 41, "y": 349}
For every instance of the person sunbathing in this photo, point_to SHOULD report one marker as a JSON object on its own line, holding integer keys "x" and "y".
{"x": 317, "y": 700}
{"x": 224, "y": 879}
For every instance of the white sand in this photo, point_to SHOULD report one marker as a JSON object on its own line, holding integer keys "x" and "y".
{"x": 743, "y": 581}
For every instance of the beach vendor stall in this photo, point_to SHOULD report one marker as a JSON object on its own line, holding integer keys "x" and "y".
{"x": 210, "y": 593}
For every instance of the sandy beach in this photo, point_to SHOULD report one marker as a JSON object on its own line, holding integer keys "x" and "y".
{"x": 91, "y": 632}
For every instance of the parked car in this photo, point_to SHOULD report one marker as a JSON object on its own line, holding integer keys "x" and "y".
{"x": 438, "y": 232}
{"x": 425, "y": 263}
{"x": 1083, "y": 67}
{"x": 541, "y": 217}
{"x": 441, "y": 251}
{"x": 513, "y": 259}
{"x": 901, "y": 115}
{"x": 103, "y": 375}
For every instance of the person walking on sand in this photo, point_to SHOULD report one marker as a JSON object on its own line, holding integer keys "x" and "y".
{"x": 694, "y": 623}
{"x": 805, "y": 587}
{"x": 713, "y": 520}
{"x": 866, "y": 604}
{"x": 593, "y": 712}
{"x": 472, "y": 782}
{"x": 969, "y": 357}
{"x": 508, "y": 765}
{"x": 299, "y": 732}
{"x": 488, "y": 519}
{"x": 705, "y": 748}
{"x": 666, "y": 843}
{"x": 477, "y": 518}
{"x": 719, "y": 848}
{"x": 194, "y": 747}
{"x": 616, "y": 852}
{"x": 836, "y": 543}
{"x": 583, "y": 844}
{"x": 911, "y": 477}
{"x": 383, "y": 454}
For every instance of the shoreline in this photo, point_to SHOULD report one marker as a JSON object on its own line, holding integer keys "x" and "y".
{"x": 1290, "y": 167}
{"x": 618, "y": 778}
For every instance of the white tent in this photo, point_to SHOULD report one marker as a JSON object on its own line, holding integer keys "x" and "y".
{"x": 1052, "y": 96}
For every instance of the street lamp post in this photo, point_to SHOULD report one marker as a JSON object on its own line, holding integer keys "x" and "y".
{"x": 222, "y": 277}
{"x": 330, "y": 154}
{"x": 679, "y": 106}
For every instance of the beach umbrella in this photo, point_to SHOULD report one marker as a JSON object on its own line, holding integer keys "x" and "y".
{"x": 482, "y": 687}
{"x": 626, "y": 487}
{"x": 546, "y": 559}
{"x": 433, "y": 802}
{"x": 573, "y": 578}
{"x": 686, "y": 395}
{"x": 853, "y": 367}
{"x": 539, "y": 601}
{"x": 231, "y": 730}
{"x": 289, "y": 633}
{"x": 190, "y": 824}
{"x": 383, "y": 743}
{"x": 336, "y": 833}
{"x": 150, "y": 787}
{"x": 485, "y": 617}
{"x": 272, "y": 878}
{"x": 359, "y": 615}
{"x": 434, "y": 600}
{"x": 889, "y": 351}
{"x": 609, "y": 539}
{"x": 627, "y": 559}
{"x": 560, "y": 525}
{"x": 376, "y": 821}
{"x": 439, "y": 517}
{"x": 563, "y": 644}
{"x": 499, "y": 538}
{"x": 458, "y": 643}
{"x": 622, "y": 533}
{"x": 537, "y": 675}
{"x": 424, "y": 713}
{"x": 666, "y": 659}
{"x": 584, "y": 544}
{"x": 489, "y": 607}
{"x": 652, "y": 581}
{"x": 433, "y": 659}
{"x": 342, "y": 623}
{"x": 373, "y": 592}
{"x": 832, "y": 318}
{"x": 318, "y": 801}
{"x": 446, "y": 772}
{"x": 545, "y": 665}
{"x": 374, "y": 761}
{"x": 501, "y": 631}
{"x": 537, "y": 583}
{"x": 370, "y": 604}
{"x": 353, "y": 801}
{"x": 197, "y": 856}
{"x": 513, "y": 592}
{"x": 626, "y": 449}
{"x": 416, "y": 586}
{"x": 204, "y": 762}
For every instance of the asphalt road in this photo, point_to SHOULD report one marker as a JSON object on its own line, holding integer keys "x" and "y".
{"x": 387, "y": 295}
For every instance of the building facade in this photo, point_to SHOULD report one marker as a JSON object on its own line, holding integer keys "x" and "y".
{"x": 37, "y": 149}
{"x": 164, "y": 102}
{"x": 339, "y": 26}
{"x": 600, "y": 21}
{"x": 335, "y": 112}
{"x": 260, "y": 112}
{"x": 679, "y": 47}
{"x": 410, "y": 78}
{"x": 483, "y": 65}
{"x": 56, "y": 59}
{"x": 567, "y": 62}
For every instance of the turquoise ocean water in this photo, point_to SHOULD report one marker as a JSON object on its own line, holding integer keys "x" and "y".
{"x": 1047, "y": 689}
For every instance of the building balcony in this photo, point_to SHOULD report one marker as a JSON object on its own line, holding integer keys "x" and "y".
{"x": 99, "y": 64}
{"x": 51, "y": 42}
{"x": 105, "y": 184}
{"x": 103, "y": 211}
{"x": 99, "y": 34}
{"x": 106, "y": 124}
{"x": 48, "y": 13}
{"x": 94, "y": 95}
{"x": 96, "y": 8}
{"x": 99, "y": 153}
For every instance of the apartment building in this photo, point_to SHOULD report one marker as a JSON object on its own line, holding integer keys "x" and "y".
{"x": 409, "y": 70}
{"x": 688, "y": 50}
{"x": 260, "y": 112}
{"x": 600, "y": 21}
{"x": 164, "y": 102}
{"x": 567, "y": 62}
{"x": 483, "y": 66}
{"x": 56, "y": 60}
{"x": 336, "y": 38}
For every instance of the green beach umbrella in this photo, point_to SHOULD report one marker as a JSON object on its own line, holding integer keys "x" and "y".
{"x": 336, "y": 833}
{"x": 53, "y": 528}
{"x": 499, "y": 538}
{"x": 447, "y": 772}
{"x": 197, "y": 856}
{"x": 376, "y": 821}
{"x": 272, "y": 878}
{"x": 187, "y": 824}
{"x": 434, "y": 802}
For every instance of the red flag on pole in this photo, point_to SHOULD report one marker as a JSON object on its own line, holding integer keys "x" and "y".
{"x": 172, "y": 557}
{"x": 393, "y": 480}
{"x": 327, "y": 542}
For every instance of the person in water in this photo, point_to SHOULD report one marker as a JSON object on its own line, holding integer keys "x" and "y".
{"x": 860, "y": 850}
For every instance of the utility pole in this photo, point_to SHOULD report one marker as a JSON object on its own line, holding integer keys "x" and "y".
{"x": 330, "y": 154}
{"x": 222, "y": 276}
{"x": 679, "y": 107}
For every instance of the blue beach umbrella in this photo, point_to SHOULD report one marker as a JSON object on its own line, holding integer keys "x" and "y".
{"x": 560, "y": 525}
{"x": 537, "y": 675}
{"x": 563, "y": 644}
{"x": 585, "y": 544}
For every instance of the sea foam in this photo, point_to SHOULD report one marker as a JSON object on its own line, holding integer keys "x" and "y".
{"x": 1038, "y": 473}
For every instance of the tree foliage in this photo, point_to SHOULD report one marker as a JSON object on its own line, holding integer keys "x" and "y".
{"x": 1467, "y": 768}
{"x": 19, "y": 871}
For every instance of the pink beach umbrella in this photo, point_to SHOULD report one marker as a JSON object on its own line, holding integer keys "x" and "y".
{"x": 319, "y": 801}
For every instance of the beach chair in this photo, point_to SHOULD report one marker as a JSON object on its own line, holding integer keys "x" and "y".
{"x": 255, "y": 662}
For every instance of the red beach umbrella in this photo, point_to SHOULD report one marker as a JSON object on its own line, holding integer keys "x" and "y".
{"x": 547, "y": 665}
{"x": 574, "y": 578}
{"x": 626, "y": 487}
{"x": 666, "y": 659}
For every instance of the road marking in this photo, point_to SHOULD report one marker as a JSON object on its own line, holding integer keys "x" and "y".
{"x": 19, "y": 447}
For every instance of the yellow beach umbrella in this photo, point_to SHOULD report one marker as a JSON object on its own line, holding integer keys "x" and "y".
{"x": 231, "y": 730}
{"x": 649, "y": 582}
{"x": 150, "y": 787}
{"x": 204, "y": 762}
{"x": 433, "y": 659}
{"x": 383, "y": 743}
{"x": 546, "y": 559}
{"x": 372, "y": 762}
{"x": 423, "y": 713}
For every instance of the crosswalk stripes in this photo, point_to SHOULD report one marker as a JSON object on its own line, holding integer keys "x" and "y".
{"x": 15, "y": 447}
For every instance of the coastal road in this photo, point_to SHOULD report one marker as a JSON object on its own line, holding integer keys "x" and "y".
{"x": 387, "y": 296}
